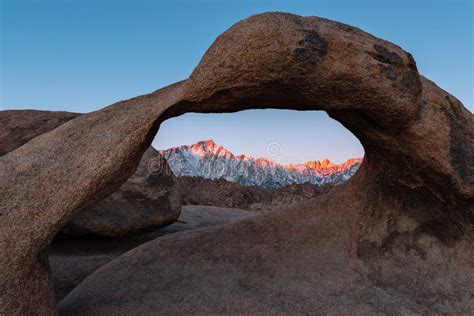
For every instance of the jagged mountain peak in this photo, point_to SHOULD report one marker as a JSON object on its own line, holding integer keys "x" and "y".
{"x": 243, "y": 157}
{"x": 318, "y": 164}
{"x": 209, "y": 143}
{"x": 204, "y": 148}
{"x": 209, "y": 160}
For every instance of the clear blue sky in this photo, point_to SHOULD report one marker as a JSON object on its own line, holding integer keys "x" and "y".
{"x": 82, "y": 55}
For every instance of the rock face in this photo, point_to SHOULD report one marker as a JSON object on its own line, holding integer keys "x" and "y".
{"x": 19, "y": 126}
{"x": 290, "y": 195}
{"x": 73, "y": 259}
{"x": 219, "y": 192}
{"x": 150, "y": 198}
{"x": 48, "y": 180}
{"x": 397, "y": 237}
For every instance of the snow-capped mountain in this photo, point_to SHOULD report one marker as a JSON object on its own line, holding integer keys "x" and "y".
{"x": 208, "y": 160}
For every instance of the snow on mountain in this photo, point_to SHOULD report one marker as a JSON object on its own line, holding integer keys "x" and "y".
{"x": 208, "y": 160}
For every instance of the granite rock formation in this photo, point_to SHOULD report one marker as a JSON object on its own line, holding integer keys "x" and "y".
{"x": 223, "y": 193}
{"x": 20, "y": 126}
{"x": 73, "y": 259}
{"x": 397, "y": 237}
{"x": 150, "y": 198}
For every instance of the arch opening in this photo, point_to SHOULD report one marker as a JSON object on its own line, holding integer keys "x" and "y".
{"x": 246, "y": 158}
{"x": 290, "y": 141}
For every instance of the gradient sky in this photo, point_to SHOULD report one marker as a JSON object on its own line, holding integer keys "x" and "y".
{"x": 83, "y": 55}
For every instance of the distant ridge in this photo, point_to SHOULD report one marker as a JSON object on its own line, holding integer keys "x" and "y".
{"x": 209, "y": 160}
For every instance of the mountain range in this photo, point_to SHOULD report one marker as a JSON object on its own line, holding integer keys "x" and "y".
{"x": 209, "y": 160}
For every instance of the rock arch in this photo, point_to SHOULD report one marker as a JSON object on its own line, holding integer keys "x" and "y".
{"x": 416, "y": 181}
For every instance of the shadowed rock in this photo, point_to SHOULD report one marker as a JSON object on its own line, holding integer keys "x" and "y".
{"x": 223, "y": 193}
{"x": 397, "y": 237}
{"x": 46, "y": 181}
{"x": 150, "y": 198}
{"x": 73, "y": 259}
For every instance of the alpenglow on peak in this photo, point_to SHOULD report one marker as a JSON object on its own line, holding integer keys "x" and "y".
{"x": 209, "y": 160}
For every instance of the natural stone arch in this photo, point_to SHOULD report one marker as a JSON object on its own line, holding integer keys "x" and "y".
{"x": 417, "y": 176}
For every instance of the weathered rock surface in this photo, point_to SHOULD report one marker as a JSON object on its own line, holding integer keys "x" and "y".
{"x": 46, "y": 181}
{"x": 290, "y": 195}
{"x": 276, "y": 264}
{"x": 150, "y": 198}
{"x": 397, "y": 237}
{"x": 20, "y": 126}
{"x": 73, "y": 259}
{"x": 223, "y": 193}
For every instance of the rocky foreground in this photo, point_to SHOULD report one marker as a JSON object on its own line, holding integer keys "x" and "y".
{"x": 148, "y": 200}
{"x": 223, "y": 193}
{"x": 396, "y": 239}
{"x": 73, "y": 259}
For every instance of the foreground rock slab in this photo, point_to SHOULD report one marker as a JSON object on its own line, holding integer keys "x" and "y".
{"x": 270, "y": 265}
{"x": 398, "y": 236}
{"x": 73, "y": 259}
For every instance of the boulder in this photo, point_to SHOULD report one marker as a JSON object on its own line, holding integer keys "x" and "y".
{"x": 19, "y": 126}
{"x": 49, "y": 179}
{"x": 73, "y": 259}
{"x": 306, "y": 259}
{"x": 150, "y": 198}
{"x": 397, "y": 238}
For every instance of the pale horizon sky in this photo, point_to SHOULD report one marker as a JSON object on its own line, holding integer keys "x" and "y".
{"x": 245, "y": 132}
{"x": 80, "y": 56}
